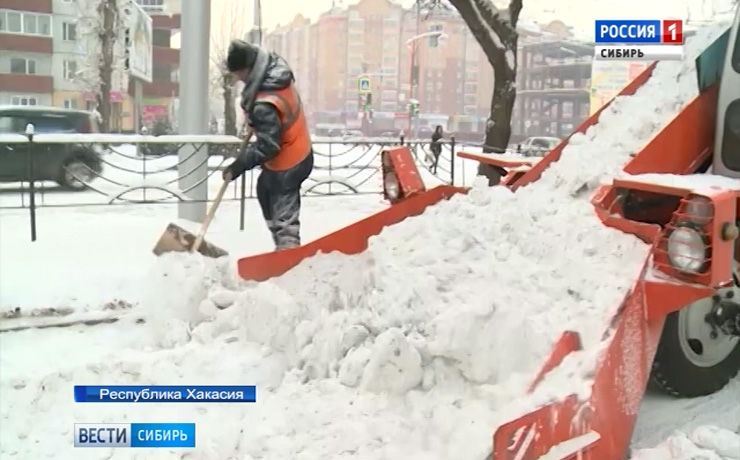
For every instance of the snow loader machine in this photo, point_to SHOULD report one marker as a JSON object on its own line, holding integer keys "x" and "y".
{"x": 678, "y": 329}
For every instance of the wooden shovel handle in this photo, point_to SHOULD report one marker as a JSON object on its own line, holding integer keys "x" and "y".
{"x": 216, "y": 202}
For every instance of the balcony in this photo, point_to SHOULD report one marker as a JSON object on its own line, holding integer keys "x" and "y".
{"x": 164, "y": 55}
{"x": 158, "y": 88}
{"x": 34, "y": 6}
{"x": 166, "y": 22}
{"x": 24, "y": 83}
{"x": 27, "y": 43}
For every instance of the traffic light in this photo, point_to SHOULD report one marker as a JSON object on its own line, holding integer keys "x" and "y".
{"x": 368, "y": 100}
{"x": 413, "y": 108}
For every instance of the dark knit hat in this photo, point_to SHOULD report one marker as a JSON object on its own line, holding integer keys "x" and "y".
{"x": 241, "y": 55}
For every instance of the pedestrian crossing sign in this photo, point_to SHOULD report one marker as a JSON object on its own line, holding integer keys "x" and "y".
{"x": 363, "y": 84}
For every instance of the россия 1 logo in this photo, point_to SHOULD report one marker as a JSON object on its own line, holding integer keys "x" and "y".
{"x": 638, "y": 39}
{"x": 639, "y": 31}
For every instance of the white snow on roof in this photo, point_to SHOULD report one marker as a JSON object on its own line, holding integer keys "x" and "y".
{"x": 694, "y": 182}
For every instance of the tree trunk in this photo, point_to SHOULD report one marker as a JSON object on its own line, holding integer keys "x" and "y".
{"x": 495, "y": 31}
{"x": 229, "y": 106}
{"x": 498, "y": 125}
{"x": 108, "y": 10}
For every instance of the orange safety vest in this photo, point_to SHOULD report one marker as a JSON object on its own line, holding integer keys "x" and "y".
{"x": 296, "y": 142}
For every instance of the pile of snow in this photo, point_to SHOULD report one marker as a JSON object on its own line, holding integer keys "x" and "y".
{"x": 705, "y": 443}
{"x": 414, "y": 349}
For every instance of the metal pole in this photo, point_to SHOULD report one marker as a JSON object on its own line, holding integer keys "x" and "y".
{"x": 137, "y": 113}
{"x": 411, "y": 87}
{"x": 31, "y": 181}
{"x": 193, "y": 115}
{"x": 242, "y": 201}
{"x": 418, "y": 70}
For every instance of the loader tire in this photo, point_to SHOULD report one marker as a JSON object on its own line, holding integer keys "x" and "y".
{"x": 682, "y": 369}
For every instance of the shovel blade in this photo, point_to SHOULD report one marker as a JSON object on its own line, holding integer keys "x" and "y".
{"x": 177, "y": 239}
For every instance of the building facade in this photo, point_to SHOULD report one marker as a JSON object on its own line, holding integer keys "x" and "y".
{"x": 161, "y": 95}
{"x": 26, "y": 49}
{"x": 375, "y": 39}
{"x": 43, "y": 60}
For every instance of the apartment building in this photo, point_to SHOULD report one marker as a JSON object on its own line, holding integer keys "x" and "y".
{"x": 26, "y": 49}
{"x": 42, "y": 60}
{"x": 370, "y": 39}
{"x": 378, "y": 39}
{"x": 161, "y": 95}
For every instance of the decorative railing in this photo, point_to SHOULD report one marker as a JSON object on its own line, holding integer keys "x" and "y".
{"x": 121, "y": 169}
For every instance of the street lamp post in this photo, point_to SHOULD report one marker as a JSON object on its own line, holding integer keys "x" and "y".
{"x": 412, "y": 44}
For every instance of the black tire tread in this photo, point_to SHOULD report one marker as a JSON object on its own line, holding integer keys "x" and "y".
{"x": 672, "y": 373}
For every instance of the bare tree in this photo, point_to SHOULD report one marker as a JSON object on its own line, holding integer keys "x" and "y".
{"x": 231, "y": 23}
{"x": 100, "y": 31}
{"x": 495, "y": 31}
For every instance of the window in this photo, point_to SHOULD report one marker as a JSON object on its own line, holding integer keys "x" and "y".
{"x": 22, "y": 65}
{"x": 70, "y": 103}
{"x": 69, "y": 70}
{"x": 6, "y": 125}
{"x": 16, "y": 22}
{"x": 23, "y": 100}
{"x": 470, "y": 99}
{"x": 69, "y": 32}
{"x": 53, "y": 124}
{"x": 151, "y": 5}
{"x": 390, "y": 61}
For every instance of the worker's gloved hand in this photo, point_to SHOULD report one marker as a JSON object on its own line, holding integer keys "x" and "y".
{"x": 234, "y": 170}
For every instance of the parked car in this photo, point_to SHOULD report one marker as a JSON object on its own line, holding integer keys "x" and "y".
{"x": 537, "y": 146}
{"x": 71, "y": 165}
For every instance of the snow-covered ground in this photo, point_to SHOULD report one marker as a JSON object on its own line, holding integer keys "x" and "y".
{"x": 417, "y": 348}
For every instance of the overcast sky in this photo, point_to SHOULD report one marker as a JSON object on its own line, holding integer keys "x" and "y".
{"x": 578, "y": 13}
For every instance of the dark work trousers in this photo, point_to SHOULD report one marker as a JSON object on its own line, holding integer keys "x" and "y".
{"x": 279, "y": 195}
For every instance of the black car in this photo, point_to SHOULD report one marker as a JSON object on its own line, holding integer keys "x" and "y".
{"x": 71, "y": 165}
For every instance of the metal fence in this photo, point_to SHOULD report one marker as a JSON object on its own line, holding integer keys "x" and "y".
{"x": 138, "y": 169}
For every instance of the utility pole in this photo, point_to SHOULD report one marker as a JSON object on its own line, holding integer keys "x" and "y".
{"x": 416, "y": 73}
{"x": 254, "y": 36}
{"x": 194, "y": 58}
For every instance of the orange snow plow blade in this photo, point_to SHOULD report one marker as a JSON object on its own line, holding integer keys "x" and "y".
{"x": 600, "y": 428}
{"x": 352, "y": 239}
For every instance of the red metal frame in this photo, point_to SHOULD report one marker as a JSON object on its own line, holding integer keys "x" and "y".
{"x": 352, "y": 239}
{"x": 624, "y": 366}
{"x": 400, "y": 161}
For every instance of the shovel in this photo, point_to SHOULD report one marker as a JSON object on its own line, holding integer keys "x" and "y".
{"x": 177, "y": 239}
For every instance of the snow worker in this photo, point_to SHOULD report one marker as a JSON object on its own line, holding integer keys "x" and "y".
{"x": 282, "y": 145}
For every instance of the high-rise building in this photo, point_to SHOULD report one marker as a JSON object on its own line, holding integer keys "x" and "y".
{"x": 375, "y": 39}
